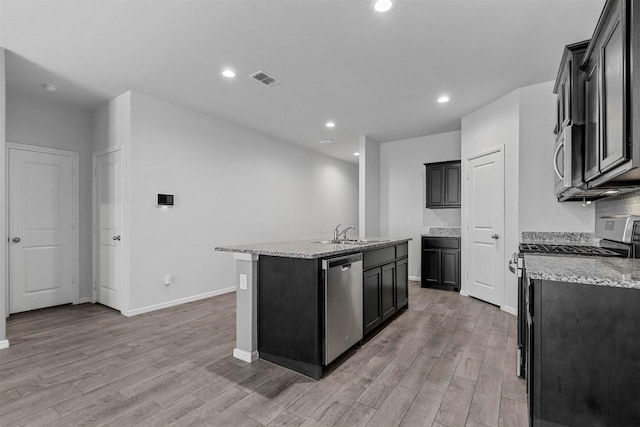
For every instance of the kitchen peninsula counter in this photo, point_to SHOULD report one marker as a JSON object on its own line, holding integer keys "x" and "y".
{"x": 310, "y": 249}
{"x": 284, "y": 306}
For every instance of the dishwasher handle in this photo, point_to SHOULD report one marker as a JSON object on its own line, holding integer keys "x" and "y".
{"x": 344, "y": 262}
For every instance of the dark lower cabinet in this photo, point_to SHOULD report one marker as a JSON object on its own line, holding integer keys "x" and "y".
{"x": 372, "y": 282}
{"x": 441, "y": 262}
{"x": 402, "y": 282}
{"x": 385, "y": 285}
{"x": 388, "y": 290}
{"x": 583, "y": 355}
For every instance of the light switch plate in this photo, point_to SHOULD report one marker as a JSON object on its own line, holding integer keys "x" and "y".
{"x": 243, "y": 281}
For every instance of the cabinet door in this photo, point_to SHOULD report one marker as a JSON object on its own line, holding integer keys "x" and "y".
{"x": 451, "y": 269}
{"x": 592, "y": 122}
{"x": 372, "y": 280}
{"x": 435, "y": 185}
{"x": 613, "y": 144}
{"x": 402, "y": 283}
{"x": 388, "y": 290}
{"x": 452, "y": 185}
{"x": 430, "y": 267}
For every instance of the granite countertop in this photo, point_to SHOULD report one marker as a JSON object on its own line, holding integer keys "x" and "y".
{"x": 309, "y": 249}
{"x": 443, "y": 232}
{"x": 560, "y": 238}
{"x": 600, "y": 271}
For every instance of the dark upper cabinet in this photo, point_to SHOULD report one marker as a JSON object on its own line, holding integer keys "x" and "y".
{"x": 612, "y": 98}
{"x": 443, "y": 185}
{"x": 569, "y": 89}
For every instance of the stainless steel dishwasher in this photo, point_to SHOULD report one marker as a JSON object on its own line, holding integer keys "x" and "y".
{"x": 343, "y": 304}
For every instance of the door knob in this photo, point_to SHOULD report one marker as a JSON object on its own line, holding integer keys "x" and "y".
{"x": 16, "y": 239}
{"x": 494, "y": 236}
{"x": 116, "y": 237}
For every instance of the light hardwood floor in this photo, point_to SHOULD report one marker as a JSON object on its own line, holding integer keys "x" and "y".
{"x": 447, "y": 361}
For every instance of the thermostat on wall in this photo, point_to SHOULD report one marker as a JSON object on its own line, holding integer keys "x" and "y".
{"x": 165, "y": 200}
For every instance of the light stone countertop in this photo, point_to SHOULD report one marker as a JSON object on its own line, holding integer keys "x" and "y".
{"x": 443, "y": 232}
{"x": 308, "y": 249}
{"x": 599, "y": 271}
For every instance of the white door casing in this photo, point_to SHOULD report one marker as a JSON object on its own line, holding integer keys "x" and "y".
{"x": 43, "y": 232}
{"x": 485, "y": 226}
{"x": 108, "y": 229}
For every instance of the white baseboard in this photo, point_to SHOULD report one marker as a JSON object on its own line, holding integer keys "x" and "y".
{"x": 4, "y": 344}
{"x": 415, "y": 278}
{"x": 175, "y": 302}
{"x": 245, "y": 356}
{"x": 82, "y": 301}
{"x": 509, "y": 310}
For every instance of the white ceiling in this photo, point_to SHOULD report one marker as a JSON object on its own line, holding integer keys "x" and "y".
{"x": 373, "y": 74}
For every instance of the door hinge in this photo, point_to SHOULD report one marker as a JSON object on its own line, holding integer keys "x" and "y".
{"x": 467, "y": 176}
{"x": 73, "y": 172}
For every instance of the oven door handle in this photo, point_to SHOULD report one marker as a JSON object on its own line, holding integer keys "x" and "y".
{"x": 555, "y": 160}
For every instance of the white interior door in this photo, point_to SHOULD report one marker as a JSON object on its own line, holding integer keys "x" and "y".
{"x": 108, "y": 229}
{"x": 41, "y": 229}
{"x": 485, "y": 226}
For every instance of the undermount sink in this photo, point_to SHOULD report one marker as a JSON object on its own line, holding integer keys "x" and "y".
{"x": 352, "y": 242}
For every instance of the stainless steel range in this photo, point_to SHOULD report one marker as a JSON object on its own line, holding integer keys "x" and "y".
{"x": 619, "y": 237}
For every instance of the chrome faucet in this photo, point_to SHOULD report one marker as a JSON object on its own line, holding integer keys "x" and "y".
{"x": 343, "y": 233}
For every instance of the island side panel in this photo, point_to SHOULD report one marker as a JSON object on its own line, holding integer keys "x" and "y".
{"x": 290, "y": 313}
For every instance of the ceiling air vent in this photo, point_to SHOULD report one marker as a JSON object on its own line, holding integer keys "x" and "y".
{"x": 264, "y": 78}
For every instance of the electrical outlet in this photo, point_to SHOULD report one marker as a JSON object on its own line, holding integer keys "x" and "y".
{"x": 407, "y": 223}
{"x": 243, "y": 281}
{"x": 445, "y": 223}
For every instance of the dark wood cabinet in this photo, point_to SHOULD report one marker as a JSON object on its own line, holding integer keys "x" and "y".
{"x": 569, "y": 128}
{"x": 385, "y": 284}
{"x": 612, "y": 98}
{"x": 443, "y": 185}
{"x": 372, "y": 310}
{"x": 402, "y": 282}
{"x": 441, "y": 262}
{"x": 584, "y": 354}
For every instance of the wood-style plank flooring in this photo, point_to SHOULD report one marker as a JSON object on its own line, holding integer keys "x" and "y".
{"x": 447, "y": 361}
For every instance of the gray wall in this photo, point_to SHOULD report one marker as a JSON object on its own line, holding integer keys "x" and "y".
{"x": 231, "y": 185}
{"x": 403, "y": 193}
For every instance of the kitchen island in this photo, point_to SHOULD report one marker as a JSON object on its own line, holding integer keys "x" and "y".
{"x": 281, "y": 301}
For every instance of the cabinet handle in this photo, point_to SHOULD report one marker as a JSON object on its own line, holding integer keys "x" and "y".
{"x": 16, "y": 240}
{"x": 116, "y": 237}
{"x": 555, "y": 160}
{"x": 495, "y": 236}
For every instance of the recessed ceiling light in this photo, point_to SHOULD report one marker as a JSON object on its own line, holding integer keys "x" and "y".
{"x": 228, "y": 73}
{"x": 383, "y": 5}
{"x": 327, "y": 141}
{"x": 48, "y": 87}
{"x": 330, "y": 125}
{"x": 443, "y": 99}
{"x": 611, "y": 192}
{"x": 356, "y": 154}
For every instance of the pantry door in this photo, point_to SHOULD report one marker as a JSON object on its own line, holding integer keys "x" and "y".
{"x": 43, "y": 209}
{"x": 484, "y": 186}
{"x": 108, "y": 229}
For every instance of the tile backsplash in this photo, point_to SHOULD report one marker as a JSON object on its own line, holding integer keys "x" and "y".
{"x": 626, "y": 204}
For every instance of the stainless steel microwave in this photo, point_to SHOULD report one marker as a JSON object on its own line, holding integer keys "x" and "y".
{"x": 567, "y": 162}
